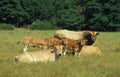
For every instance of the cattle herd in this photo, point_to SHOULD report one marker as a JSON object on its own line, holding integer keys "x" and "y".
{"x": 77, "y": 42}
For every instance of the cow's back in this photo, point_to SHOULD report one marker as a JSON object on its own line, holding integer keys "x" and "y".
{"x": 54, "y": 41}
{"x": 36, "y": 56}
{"x": 90, "y": 50}
{"x": 43, "y": 56}
{"x": 24, "y": 57}
{"x": 69, "y": 34}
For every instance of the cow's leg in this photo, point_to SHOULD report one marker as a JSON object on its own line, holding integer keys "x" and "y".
{"x": 25, "y": 48}
{"x": 44, "y": 47}
{"x": 79, "y": 53}
{"x": 64, "y": 52}
{"x": 76, "y": 53}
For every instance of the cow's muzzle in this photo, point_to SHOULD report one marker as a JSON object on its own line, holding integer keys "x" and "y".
{"x": 16, "y": 59}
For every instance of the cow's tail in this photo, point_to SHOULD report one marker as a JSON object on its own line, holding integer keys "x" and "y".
{"x": 19, "y": 41}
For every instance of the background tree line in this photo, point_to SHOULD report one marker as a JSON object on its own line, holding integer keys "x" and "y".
{"x": 102, "y": 15}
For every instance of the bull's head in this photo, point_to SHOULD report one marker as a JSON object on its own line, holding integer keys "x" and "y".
{"x": 90, "y": 36}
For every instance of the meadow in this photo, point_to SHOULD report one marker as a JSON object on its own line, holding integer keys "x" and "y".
{"x": 107, "y": 65}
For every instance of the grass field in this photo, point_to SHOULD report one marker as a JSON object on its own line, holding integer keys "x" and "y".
{"x": 107, "y": 65}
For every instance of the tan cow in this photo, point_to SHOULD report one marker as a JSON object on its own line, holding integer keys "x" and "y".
{"x": 90, "y": 50}
{"x": 50, "y": 55}
{"x": 40, "y": 42}
{"x": 90, "y": 36}
{"x": 35, "y": 42}
{"x": 73, "y": 45}
{"x": 54, "y": 41}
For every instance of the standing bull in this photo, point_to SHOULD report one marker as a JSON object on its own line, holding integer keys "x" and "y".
{"x": 90, "y": 36}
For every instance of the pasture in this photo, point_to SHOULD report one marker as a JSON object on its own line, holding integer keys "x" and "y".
{"x": 107, "y": 65}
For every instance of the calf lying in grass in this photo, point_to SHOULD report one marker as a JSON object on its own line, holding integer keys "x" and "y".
{"x": 90, "y": 50}
{"x": 50, "y": 55}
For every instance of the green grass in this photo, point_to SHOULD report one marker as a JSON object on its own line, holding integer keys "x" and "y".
{"x": 107, "y": 65}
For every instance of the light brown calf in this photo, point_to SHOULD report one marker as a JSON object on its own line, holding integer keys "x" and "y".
{"x": 40, "y": 42}
{"x": 90, "y": 50}
{"x": 35, "y": 42}
{"x": 73, "y": 45}
{"x": 54, "y": 41}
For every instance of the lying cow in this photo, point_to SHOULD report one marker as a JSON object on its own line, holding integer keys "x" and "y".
{"x": 90, "y": 50}
{"x": 90, "y": 36}
{"x": 73, "y": 45}
{"x": 50, "y": 55}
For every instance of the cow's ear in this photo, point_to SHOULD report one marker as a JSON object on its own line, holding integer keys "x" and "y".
{"x": 86, "y": 33}
{"x": 64, "y": 43}
{"x": 82, "y": 42}
{"x": 53, "y": 50}
{"x": 97, "y": 33}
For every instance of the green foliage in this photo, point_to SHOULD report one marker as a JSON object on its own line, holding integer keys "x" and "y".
{"x": 38, "y": 9}
{"x": 70, "y": 19}
{"x": 42, "y": 25}
{"x": 102, "y": 15}
{"x": 6, "y": 27}
{"x": 12, "y": 12}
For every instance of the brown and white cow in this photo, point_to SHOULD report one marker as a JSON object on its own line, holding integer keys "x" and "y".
{"x": 73, "y": 45}
{"x": 90, "y": 50}
{"x": 90, "y": 36}
{"x": 48, "y": 55}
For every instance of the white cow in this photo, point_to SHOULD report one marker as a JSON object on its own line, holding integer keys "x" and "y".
{"x": 50, "y": 55}
{"x": 90, "y": 36}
